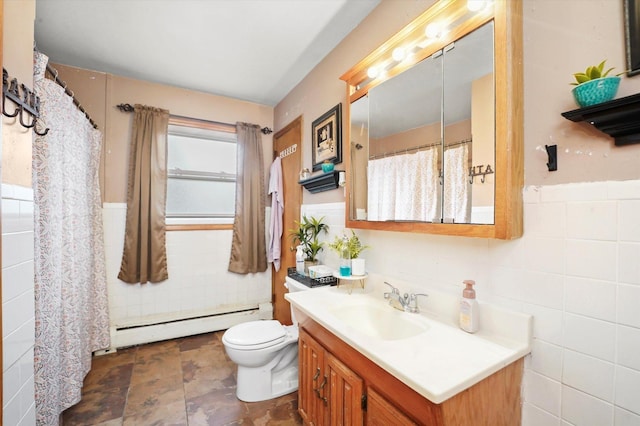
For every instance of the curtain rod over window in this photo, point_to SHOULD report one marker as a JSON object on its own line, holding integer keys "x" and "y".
{"x": 181, "y": 120}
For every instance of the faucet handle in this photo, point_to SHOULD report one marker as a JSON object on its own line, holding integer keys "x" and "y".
{"x": 413, "y": 302}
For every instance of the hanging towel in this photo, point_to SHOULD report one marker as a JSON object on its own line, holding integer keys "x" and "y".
{"x": 277, "y": 209}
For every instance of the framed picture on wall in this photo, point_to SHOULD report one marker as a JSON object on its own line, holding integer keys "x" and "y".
{"x": 326, "y": 136}
{"x": 632, "y": 33}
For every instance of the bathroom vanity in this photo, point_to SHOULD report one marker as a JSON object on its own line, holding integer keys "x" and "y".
{"x": 364, "y": 362}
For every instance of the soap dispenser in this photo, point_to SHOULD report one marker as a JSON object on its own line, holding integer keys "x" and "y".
{"x": 469, "y": 308}
{"x": 300, "y": 260}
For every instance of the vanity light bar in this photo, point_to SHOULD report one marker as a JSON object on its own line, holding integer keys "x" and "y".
{"x": 436, "y": 30}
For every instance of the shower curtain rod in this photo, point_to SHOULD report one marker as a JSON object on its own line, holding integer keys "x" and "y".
{"x": 76, "y": 102}
{"x": 129, "y": 108}
{"x": 417, "y": 148}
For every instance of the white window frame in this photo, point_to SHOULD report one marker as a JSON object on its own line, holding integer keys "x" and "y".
{"x": 205, "y": 130}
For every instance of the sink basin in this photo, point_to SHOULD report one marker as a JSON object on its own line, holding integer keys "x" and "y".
{"x": 379, "y": 321}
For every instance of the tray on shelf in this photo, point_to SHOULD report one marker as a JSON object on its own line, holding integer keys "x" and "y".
{"x": 311, "y": 282}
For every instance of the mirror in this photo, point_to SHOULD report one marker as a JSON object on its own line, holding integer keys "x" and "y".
{"x": 410, "y": 175}
{"x": 429, "y": 150}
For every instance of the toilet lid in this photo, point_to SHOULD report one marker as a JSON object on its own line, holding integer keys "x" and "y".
{"x": 255, "y": 333}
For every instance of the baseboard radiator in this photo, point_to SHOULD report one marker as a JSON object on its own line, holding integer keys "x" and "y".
{"x": 148, "y": 333}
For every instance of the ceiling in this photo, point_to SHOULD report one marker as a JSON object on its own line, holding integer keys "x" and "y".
{"x": 253, "y": 50}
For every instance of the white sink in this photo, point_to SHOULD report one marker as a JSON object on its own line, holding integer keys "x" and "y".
{"x": 379, "y": 321}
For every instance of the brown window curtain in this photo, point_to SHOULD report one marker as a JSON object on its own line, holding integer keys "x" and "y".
{"x": 145, "y": 255}
{"x": 248, "y": 248}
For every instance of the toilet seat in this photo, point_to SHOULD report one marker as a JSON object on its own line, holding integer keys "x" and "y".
{"x": 254, "y": 335}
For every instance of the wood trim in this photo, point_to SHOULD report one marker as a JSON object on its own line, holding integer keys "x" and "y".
{"x": 209, "y": 227}
{"x": 509, "y": 161}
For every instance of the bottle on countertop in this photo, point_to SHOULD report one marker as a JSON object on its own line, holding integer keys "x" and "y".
{"x": 345, "y": 258}
{"x": 469, "y": 308}
{"x": 299, "y": 260}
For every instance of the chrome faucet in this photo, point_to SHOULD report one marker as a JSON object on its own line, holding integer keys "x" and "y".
{"x": 407, "y": 302}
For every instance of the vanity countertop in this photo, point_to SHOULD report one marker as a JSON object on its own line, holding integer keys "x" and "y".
{"x": 437, "y": 363}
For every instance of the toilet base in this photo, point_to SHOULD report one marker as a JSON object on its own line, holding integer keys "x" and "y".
{"x": 277, "y": 378}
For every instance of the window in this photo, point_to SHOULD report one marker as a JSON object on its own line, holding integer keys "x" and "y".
{"x": 201, "y": 180}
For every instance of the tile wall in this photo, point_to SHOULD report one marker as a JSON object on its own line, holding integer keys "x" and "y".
{"x": 198, "y": 284}
{"x": 18, "y": 322}
{"x": 576, "y": 270}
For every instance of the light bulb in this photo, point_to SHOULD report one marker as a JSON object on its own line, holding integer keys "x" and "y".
{"x": 398, "y": 54}
{"x": 433, "y": 30}
{"x": 475, "y": 5}
{"x": 373, "y": 72}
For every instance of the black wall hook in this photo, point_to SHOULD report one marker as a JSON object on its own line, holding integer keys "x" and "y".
{"x": 552, "y": 152}
{"x": 28, "y": 103}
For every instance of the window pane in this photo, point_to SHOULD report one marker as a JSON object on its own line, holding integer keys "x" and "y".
{"x": 192, "y": 198}
{"x": 202, "y": 167}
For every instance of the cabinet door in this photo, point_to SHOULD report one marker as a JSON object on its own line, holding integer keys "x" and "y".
{"x": 312, "y": 387}
{"x": 380, "y": 412}
{"x": 345, "y": 394}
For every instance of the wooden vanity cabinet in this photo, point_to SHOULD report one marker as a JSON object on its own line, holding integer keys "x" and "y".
{"x": 340, "y": 386}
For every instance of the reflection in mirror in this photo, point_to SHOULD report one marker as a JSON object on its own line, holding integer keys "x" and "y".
{"x": 469, "y": 129}
{"x": 398, "y": 167}
{"x": 359, "y": 152}
{"x": 404, "y": 145}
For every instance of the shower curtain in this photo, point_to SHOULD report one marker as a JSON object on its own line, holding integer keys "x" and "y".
{"x": 71, "y": 310}
{"x": 404, "y": 187}
{"x": 457, "y": 192}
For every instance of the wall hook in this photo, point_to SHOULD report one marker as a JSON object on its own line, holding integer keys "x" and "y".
{"x": 552, "y": 153}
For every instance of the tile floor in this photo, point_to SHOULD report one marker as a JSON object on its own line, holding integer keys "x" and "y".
{"x": 187, "y": 381}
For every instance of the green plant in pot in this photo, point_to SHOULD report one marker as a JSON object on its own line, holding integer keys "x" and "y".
{"x": 355, "y": 247}
{"x": 595, "y": 85}
{"x": 306, "y": 234}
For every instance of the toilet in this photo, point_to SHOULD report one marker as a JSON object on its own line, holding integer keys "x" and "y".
{"x": 266, "y": 353}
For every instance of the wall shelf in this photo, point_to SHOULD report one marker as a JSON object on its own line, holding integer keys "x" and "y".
{"x": 321, "y": 182}
{"x": 617, "y": 118}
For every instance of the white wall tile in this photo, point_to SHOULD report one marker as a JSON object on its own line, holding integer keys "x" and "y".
{"x": 591, "y": 259}
{"x": 590, "y": 336}
{"x": 592, "y": 298}
{"x": 628, "y": 305}
{"x": 17, "y": 311}
{"x": 16, "y": 280}
{"x": 592, "y": 220}
{"x": 19, "y": 248}
{"x": 542, "y": 392}
{"x": 629, "y": 212}
{"x": 547, "y": 323}
{"x": 623, "y": 190}
{"x": 587, "y": 374}
{"x": 546, "y": 359}
{"x": 534, "y": 416}
{"x": 546, "y": 255}
{"x": 10, "y": 215}
{"x": 16, "y": 344}
{"x": 629, "y": 263}
{"x": 543, "y": 289}
{"x": 582, "y": 409}
{"x": 628, "y": 348}
{"x": 626, "y": 418}
{"x": 547, "y": 220}
{"x": 628, "y": 389}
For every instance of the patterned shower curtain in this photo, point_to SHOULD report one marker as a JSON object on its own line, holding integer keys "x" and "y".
{"x": 404, "y": 187}
{"x": 71, "y": 307}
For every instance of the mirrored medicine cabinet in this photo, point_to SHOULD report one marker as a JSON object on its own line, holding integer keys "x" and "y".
{"x": 435, "y": 125}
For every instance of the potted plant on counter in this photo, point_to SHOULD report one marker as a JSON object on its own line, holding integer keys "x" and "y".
{"x": 595, "y": 85}
{"x": 306, "y": 234}
{"x": 355, "y": 247}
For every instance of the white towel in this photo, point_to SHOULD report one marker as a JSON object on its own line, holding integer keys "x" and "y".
{"x": 277, "y": 210}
